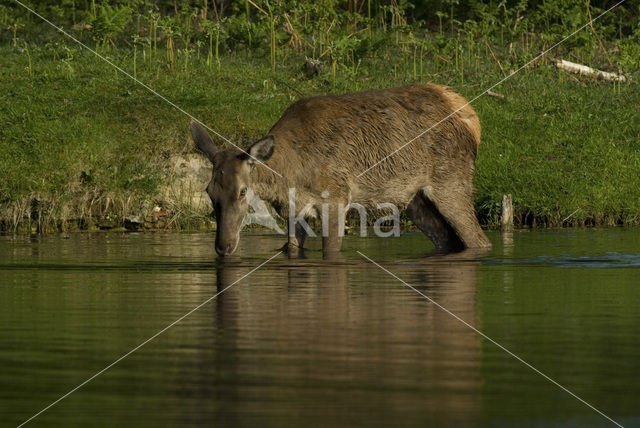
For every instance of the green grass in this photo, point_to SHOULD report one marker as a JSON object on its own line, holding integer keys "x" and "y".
{"x": 565, "y": 148}
{"x": 86, "y": 142}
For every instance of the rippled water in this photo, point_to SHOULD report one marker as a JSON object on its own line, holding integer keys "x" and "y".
{"x": 318, "y": 343}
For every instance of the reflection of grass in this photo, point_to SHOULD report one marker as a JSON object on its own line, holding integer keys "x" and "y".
{"x": 74, "y": 131}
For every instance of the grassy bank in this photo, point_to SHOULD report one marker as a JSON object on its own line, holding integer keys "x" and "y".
{"x": 83, "y": 146}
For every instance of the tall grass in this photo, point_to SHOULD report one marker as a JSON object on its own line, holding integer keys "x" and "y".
{"x": 343, "y": 31}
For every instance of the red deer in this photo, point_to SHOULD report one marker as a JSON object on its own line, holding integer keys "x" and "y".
{"x": 321, "y": 145}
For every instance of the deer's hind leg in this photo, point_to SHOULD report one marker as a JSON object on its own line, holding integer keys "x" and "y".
{"x": 424, "y": 214}
{"x": 455, "y": 203}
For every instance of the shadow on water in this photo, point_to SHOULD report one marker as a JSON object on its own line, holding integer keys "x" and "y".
{"x": 602, "y": 259}
{"x": 608, "y": 260}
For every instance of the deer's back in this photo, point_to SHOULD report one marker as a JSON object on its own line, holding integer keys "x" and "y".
{"x": 334, "y": 138}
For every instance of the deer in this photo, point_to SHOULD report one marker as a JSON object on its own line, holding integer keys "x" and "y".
{"x": 363, "y": 148}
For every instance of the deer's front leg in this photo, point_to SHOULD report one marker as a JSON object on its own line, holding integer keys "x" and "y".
{"x": 332, "y": 229}
{"x": 295, "y": 244}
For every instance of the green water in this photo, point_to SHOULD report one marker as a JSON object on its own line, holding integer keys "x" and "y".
{"x": 315, "y": 343}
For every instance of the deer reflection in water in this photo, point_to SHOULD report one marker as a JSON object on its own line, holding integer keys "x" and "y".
{"x": 299, "y": 331}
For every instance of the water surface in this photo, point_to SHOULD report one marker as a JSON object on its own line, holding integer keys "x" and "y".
{"x": 317, "y": 343}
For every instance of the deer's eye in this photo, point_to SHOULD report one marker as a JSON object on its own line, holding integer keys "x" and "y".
{"x": 243, "y": 192}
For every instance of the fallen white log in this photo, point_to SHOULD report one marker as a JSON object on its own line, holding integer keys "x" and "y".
{"x": 583, "y": 69}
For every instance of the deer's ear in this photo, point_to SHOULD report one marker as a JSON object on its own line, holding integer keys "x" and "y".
{"x": 260, "y": 151}
{"x": 203, "y": 140}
